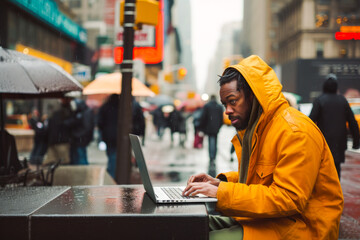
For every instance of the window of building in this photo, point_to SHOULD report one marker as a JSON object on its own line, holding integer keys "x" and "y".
{"x": 322, "y": 19}
{"x": 319, "y": 46}
{"x": 343, "y": 51}
{"x": 324, "y": 2}
{"x": 75, "y": 3}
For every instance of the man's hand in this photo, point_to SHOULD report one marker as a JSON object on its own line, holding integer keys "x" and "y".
{"x": 202, "y": 177}
{"x": 201, "y": 183}
{"x": 205, "y": 188}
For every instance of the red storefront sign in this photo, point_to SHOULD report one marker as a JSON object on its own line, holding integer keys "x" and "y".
{"x": 149, "y": 42}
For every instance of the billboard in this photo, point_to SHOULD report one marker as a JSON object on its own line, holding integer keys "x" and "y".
{"x": 149, "y": 41}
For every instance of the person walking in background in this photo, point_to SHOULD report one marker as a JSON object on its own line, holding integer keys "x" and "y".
{"x": 138, "y": 120}
{"x": 211, "y": 122}
{"x": 331, "y": 112}
{"x": 107, "y": 123}
{"x": 198, "y": 134}
{"x": 82, "y": 125}
{"x": 39, "y": 125}
{"x": 59, "y": 135}
{"x": 177, "y": 124}
{"x": 286, "y": 185}
{"x": 159, "y": 121}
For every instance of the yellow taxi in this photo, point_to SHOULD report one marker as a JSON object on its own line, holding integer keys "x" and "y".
{"x": 17, "y": 121}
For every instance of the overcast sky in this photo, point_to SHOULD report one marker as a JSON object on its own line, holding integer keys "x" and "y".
{"x": 208, "y": 16}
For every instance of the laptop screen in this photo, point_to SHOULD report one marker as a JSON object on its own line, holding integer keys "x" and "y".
{"x": 139, "y": 156}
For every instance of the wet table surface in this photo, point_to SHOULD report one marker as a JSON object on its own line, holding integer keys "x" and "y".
{"x": 114, "y": 212}
{"x": 17, "y": 204}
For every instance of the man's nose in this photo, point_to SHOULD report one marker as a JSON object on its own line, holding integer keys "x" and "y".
{"x": 228, "y": 110}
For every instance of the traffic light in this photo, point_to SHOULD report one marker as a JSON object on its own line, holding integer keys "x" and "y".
{"x": 168, "y": 77}
{"x": 146, "y": 12}
{"x": 182, "y": 73}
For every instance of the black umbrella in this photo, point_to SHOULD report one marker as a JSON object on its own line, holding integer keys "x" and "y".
{"x": 24, "y": 76}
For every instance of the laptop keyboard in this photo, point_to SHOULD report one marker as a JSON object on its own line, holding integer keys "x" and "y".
{"x": 174, "y": 193}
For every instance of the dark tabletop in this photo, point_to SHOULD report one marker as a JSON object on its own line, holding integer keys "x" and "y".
{"x": 116, "y": 212}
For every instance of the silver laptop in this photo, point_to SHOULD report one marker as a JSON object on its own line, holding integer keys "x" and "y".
{"x": 161, "y": 194}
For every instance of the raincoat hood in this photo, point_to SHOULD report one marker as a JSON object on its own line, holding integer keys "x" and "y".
{"x": 263, "y": 82}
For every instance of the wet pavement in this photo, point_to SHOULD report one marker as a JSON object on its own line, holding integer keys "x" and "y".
{"x": 350, "y": 182}
{"x": 172, "y": 164}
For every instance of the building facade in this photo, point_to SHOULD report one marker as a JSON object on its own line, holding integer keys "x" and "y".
{"x": 309, "y": 51}
{"x": 297, "y": 38}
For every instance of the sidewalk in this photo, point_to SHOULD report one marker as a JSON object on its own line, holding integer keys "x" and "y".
{"x": 350, "y": 183}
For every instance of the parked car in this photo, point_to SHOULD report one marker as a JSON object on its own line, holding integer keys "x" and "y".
{"x": 17, "y": 121}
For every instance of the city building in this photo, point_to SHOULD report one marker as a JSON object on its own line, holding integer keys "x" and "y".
{"x": 309, "y": 48}
{"x": 178, "y": 49}
{"x": 304, "y": 40}
{"x": 226, "y": 54}
{"x": 51, "y": 34}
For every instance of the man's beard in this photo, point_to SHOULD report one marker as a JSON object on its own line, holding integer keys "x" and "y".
{"x": 243, "y": 122}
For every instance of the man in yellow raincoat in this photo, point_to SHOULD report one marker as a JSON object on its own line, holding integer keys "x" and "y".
{"x": 286, "y": 186}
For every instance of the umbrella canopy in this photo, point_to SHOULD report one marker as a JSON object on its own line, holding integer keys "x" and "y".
{"x": 111, "y": 84}
{"x": 191, "y": 104}
{"x": 24, "y": 76}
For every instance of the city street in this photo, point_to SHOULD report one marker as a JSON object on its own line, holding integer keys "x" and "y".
{"x": 171, "y": 163}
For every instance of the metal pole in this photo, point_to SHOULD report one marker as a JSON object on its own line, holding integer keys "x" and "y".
{"x": 123, "y": 156}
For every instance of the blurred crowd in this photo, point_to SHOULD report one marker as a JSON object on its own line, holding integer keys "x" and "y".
{"x": 65, "y": 135}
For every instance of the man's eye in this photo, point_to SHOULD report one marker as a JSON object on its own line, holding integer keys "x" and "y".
{"x": 232, "y": 102}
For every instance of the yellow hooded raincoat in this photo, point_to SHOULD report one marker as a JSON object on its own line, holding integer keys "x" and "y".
{"x": 292, "y": 189}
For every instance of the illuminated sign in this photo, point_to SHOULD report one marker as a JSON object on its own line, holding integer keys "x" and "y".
{"x": 148, "y": 44}
{"x": 348, "y": 33}
{"x": 347, "y": 36}
{"x": 67, "y": 66}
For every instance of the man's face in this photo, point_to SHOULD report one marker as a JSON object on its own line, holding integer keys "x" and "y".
{"x": 237, "y": 107}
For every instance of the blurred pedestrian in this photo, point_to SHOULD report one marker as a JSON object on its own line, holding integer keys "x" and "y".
{"x": 107, "y": 123}
{"x": 198, "y": 134}
{"x": 159, "y": 121}
{"x": 39, "y": 125}
{"x": 177, "y": 124}
{"x": 82, "y": 124}
{"x": 211, "y": 122}
{"x": 331, "y": 112}
{"x": 286, "y": 185}
{"x": 59, "y": 135}
{"x": 138, "y": 120}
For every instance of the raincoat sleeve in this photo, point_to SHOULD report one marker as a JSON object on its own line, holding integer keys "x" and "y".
{"x": 228, "y": 177}
{"x": 296, "y": 161}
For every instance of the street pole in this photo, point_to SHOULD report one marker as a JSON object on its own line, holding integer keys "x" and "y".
{"x": 123, "y": 156}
